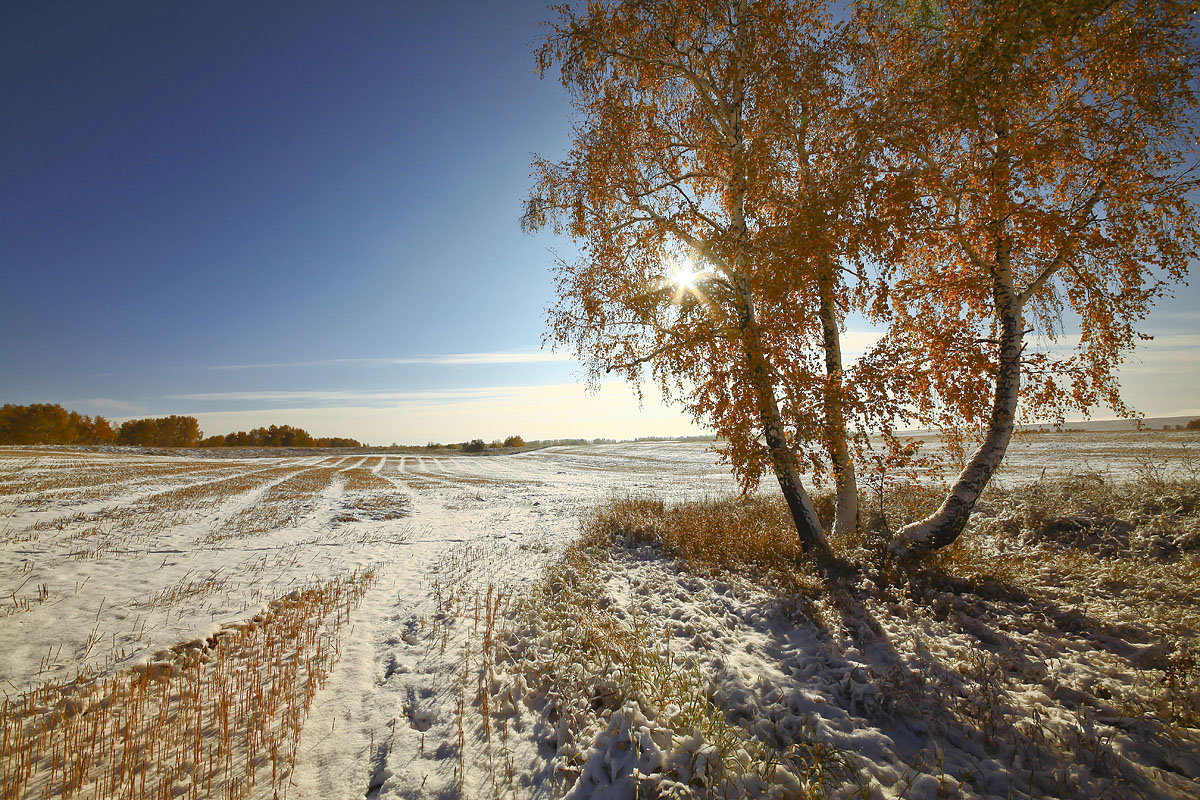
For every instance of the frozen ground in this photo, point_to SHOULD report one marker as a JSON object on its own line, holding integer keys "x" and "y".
{"x": 111, "y": 560}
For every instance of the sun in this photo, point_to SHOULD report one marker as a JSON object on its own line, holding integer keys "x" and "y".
{"x": 684, "y": 276}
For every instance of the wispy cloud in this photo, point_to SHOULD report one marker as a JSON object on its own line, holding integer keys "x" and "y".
{"x": 106, "y": 404}
{"x": 335, "y": 397}
{"x": 853, "y": 342}
{"x": 547, "y": 411}
{"x": 449, "y": 359}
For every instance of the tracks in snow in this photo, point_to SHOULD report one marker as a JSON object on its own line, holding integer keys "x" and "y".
{"x": 386, "y": 725}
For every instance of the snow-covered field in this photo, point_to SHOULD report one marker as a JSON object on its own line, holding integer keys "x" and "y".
{"x": 391, "y": 592}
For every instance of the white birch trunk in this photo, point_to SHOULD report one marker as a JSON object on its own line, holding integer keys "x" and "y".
{"x": 845, "y": 521}
{"x": 945, "y": 525}
{"x": 783, "y": 460}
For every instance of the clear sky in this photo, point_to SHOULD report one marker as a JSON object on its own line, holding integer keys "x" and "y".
{"x": 307, "y": 212}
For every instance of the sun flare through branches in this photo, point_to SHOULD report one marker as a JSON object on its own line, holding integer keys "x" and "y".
{"x": 685, "y": 276}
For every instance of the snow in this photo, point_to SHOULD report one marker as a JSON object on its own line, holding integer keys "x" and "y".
{"x": 445, "y": 680}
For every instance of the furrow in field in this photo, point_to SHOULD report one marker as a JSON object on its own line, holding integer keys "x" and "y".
{"x": 159, "y": 509}
{"x": 213, "y": 717}
{"x": 283, "y": 505}
{"x": 76, "y": 481}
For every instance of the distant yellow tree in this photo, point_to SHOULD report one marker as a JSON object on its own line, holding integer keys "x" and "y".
{"x": 50, "y": 423}
{"x": 172, "y": 431}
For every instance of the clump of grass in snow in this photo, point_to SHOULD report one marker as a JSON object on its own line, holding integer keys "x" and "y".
{"x": 1112, "y": 559}
{"x": 369, "y": 496}
{"x": 1082, "y": 558}
{"x": 159, "y": 510}
{"x": 283, "y": 505}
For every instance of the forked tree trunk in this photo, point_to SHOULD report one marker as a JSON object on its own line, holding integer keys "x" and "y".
{"x": 947, "y": 523}
{"x": 783, "y": 460}
{"x": 845, "y": 520}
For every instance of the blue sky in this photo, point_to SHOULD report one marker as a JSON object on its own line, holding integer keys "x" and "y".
{"x": 306, "y": 212}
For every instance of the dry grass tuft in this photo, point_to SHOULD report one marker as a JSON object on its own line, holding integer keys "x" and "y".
{"x": 361, "y": 479}
{"x": 750, "y": 537}
{"x": 160, "y": 510}
{"x": 92, "y": 481}
{"x": 1086, "y": 559}
{"x": 368, "y": 496}
{"x": 570, "y": 651}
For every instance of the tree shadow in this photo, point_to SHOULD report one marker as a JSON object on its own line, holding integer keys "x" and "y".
{"x": 941, "y": 672}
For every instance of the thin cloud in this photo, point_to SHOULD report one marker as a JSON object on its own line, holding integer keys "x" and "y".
{"x": 551, "y": 411}
{"x": 449, "y": 359}
{"x": 852, "y": 342}
{"x": 350, "y": 396}
{"x": 109, "y": 404}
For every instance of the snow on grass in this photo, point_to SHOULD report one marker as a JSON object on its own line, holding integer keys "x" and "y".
{"x": 674, "y": 650}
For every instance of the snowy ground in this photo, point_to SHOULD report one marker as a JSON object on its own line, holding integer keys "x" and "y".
{"x": 110, "y": 560}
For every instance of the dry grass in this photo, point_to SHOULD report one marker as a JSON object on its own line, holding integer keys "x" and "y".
{"x": 375, "y": 507}
{"x": 748, "y": 537}
{"x": 91, "y": 481}
{"x": 187, "y": 588}
{"x": 361, "y": 479}
{"x": 591, "y": 667}
{"x": 159, "y": 509}
{"x": 210, "y": 718}
{"x": 1113, "y": 567}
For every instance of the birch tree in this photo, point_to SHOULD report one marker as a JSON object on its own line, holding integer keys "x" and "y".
{"x": 1043, "y": 164}
{"x": 673, "y": 185}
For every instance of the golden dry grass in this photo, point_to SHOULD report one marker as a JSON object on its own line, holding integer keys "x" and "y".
{"x": 92, "y": 476}
{"x": 159, "y": 509}
{"x": 361, "y": 479}
{"x": 1125, "y": 556}
{"x": 588, "y": 658}
{"x": 749, "y": 537}
{"x": 210, "y": 718}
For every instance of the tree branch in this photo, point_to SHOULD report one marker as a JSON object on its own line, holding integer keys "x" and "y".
{"x": 1065, "y": 251}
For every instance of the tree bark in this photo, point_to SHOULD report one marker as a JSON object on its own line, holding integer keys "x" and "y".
{"x": 846, "y": 486}
{"x": 783, "y": 460}
{"x": 945, "y": 525}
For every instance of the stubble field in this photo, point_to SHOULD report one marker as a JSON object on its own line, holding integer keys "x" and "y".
{"x": 431, "y": 625}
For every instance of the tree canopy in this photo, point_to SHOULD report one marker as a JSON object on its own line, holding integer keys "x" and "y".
{"x": 172, "y": 431}
{"x": 277, "y": 436}
{"x": 743, "y": 174}
{"x": 1041, "y": 162}
{"x": 708, "y": 185}
{"x": 46, "y": 423}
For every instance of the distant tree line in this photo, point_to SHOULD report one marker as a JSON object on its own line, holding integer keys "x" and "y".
{"x": 277, "y": 436}
{"x": 479, "y": 445}
{"x": 50, "y": 423}
{"x": 46, "y": 423}
{"x": 172, "y": 431}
